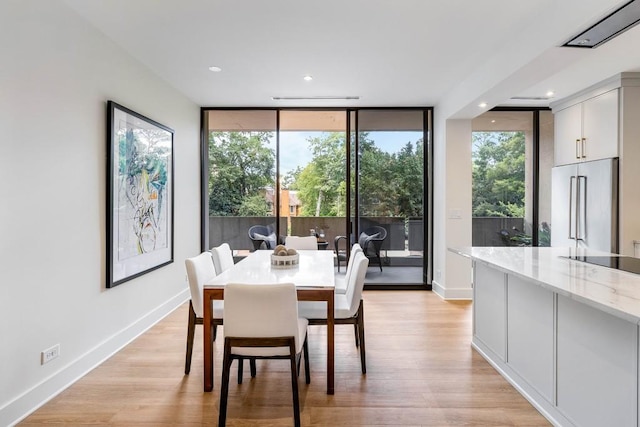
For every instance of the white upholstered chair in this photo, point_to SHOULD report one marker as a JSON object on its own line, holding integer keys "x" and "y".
{"x": 222, "y": 257}
{"x": 349, "y": 307}
{"x": 200, "y": 269}
{"x": 301, "y": 242}
{"x": 261, "y": 322}
{"x": 341, "y": 280}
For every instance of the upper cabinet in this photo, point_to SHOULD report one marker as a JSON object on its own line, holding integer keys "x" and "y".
{"x": 587, "y": 130}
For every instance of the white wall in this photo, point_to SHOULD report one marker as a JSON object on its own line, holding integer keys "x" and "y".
{"x": 56, "y": 75}
{"x": 452, "y": 207}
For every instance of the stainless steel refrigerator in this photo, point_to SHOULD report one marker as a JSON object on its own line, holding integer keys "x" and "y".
{"x": 584, "y": 205}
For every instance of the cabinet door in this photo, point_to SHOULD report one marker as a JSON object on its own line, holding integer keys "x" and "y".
{"x": 600, "y": 126}
{"x": 490, "y": 308}
{"x": 567, "y": 135}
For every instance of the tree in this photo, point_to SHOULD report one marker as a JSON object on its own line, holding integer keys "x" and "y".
{"x": 241, "y": 166}
{"x": 322, "y": 181}
{"x": 498, "y": 174}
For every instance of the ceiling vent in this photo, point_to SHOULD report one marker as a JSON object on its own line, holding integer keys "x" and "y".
{"x": 611, "y": 26}
{"x": 306, "y": 98}
{"x": 531, "y": 98}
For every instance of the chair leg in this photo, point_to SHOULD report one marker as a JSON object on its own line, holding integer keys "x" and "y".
{"x": 363, "y": 357}
{"x": 356, "y": 333}
{"x": 294, "y": 387}
{"x": 240, "y": 367}
{"x": 379, "y": 260}
{"x": 224, "y": 390}
{"x": 307, "y": 369}
{"x": 191, "y": 329}
{"x": 252, "y": 366}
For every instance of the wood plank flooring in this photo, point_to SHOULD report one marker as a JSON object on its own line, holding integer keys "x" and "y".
{"x": 421, "y": 371}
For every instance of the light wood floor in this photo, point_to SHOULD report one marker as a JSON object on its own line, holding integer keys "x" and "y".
{"x": 421, "y": 370}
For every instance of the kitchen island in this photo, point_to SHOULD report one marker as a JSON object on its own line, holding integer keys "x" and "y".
{"x": 563, "y": 332}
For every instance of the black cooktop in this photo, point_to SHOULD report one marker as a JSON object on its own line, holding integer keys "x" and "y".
{"x": 624, "y": 263}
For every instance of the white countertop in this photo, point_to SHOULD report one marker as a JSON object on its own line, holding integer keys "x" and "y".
{"x": 616, "y": 292}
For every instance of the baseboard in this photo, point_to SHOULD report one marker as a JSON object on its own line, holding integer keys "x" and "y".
{"x": 23, "y": 405}
{"x": 452, "y": 293}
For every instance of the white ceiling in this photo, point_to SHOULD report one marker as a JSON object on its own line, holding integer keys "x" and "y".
{"x": 451, "y": 54}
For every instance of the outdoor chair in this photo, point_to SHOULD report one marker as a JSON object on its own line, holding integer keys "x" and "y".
{"x": 371, "y": 241}
{"x": 264, "y": 237}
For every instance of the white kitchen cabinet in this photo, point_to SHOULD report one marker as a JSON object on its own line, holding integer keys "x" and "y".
{"x": 597, "y": 359}
{"x": 587, "y": 130}
{"x": 490, "y": 315}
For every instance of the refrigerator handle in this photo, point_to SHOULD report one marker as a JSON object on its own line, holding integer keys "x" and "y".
{"x": 571, "y": 205}
{"x": 582, "y": 205}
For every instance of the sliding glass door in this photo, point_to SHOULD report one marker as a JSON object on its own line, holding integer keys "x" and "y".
{"x": 390, "y": 191}
{"x": 334, "y": 173}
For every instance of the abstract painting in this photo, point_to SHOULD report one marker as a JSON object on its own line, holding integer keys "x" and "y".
{"x": 140, "y": 195}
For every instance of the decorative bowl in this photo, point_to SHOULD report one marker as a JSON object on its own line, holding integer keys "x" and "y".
{"x": 284, "y": 261}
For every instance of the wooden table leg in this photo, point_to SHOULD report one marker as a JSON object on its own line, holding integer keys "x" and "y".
{"x": 330, "y": 344}
{"x": 208, "y": 341}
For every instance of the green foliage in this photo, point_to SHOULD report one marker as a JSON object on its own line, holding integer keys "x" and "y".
{"x": 498, "y": 174}
{"x": 390, "y": 184}
{"x": 254, "y": 206}
{"x": 240, "y": 167}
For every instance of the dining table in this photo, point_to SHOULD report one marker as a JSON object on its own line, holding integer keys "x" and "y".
{"x": 313, "y": 277}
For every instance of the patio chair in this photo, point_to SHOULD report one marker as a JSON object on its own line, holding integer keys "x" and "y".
{"x": 371, "y": 241}
{"x": 264, "y": 237}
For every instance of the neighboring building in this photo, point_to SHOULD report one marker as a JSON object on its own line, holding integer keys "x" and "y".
{"x": 290, "y": 204}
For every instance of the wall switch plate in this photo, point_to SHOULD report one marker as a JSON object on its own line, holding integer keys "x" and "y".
{"x": 49, "y": 354}
{"x": 455, "y": 214}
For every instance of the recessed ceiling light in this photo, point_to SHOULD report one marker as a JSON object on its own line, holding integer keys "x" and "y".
{"x": 550, "y": 93}
{"x": 308, "y": 78}
{"x": 493, "y": 121}
{"x": 482, "y": 105}
{"x": 215, "y": 69}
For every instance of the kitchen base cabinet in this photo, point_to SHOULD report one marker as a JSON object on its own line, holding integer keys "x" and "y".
{"x": 577, "y": 364}
{"x": 597, "y": 366}
{"x": 530, "y": 316}
{"x": 490, "y": 323}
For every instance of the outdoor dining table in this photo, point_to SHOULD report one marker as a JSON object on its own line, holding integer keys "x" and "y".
{"x": 314, "y": 280}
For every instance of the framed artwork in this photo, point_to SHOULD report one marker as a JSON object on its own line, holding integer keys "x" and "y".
{"x": 139, "y": 195}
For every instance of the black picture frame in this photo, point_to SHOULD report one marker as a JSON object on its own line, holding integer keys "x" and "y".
{"x": 140, "y": 188}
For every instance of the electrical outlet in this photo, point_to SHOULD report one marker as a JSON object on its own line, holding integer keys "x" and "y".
{"x": 49, "y": 354}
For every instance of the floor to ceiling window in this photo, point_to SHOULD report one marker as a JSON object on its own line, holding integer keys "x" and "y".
{"x": 512, "y": 155}
{"x": 328, "y": 172}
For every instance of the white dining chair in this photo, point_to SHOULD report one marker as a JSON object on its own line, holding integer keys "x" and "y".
{"x": 222, "y": 257}
{"x": 348, "y": 307}
{"x": 262, "y": 322}
{"x": 301, "y": 242}
{"x": 200, "y": 269}
{"x": 341, "y": 280}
